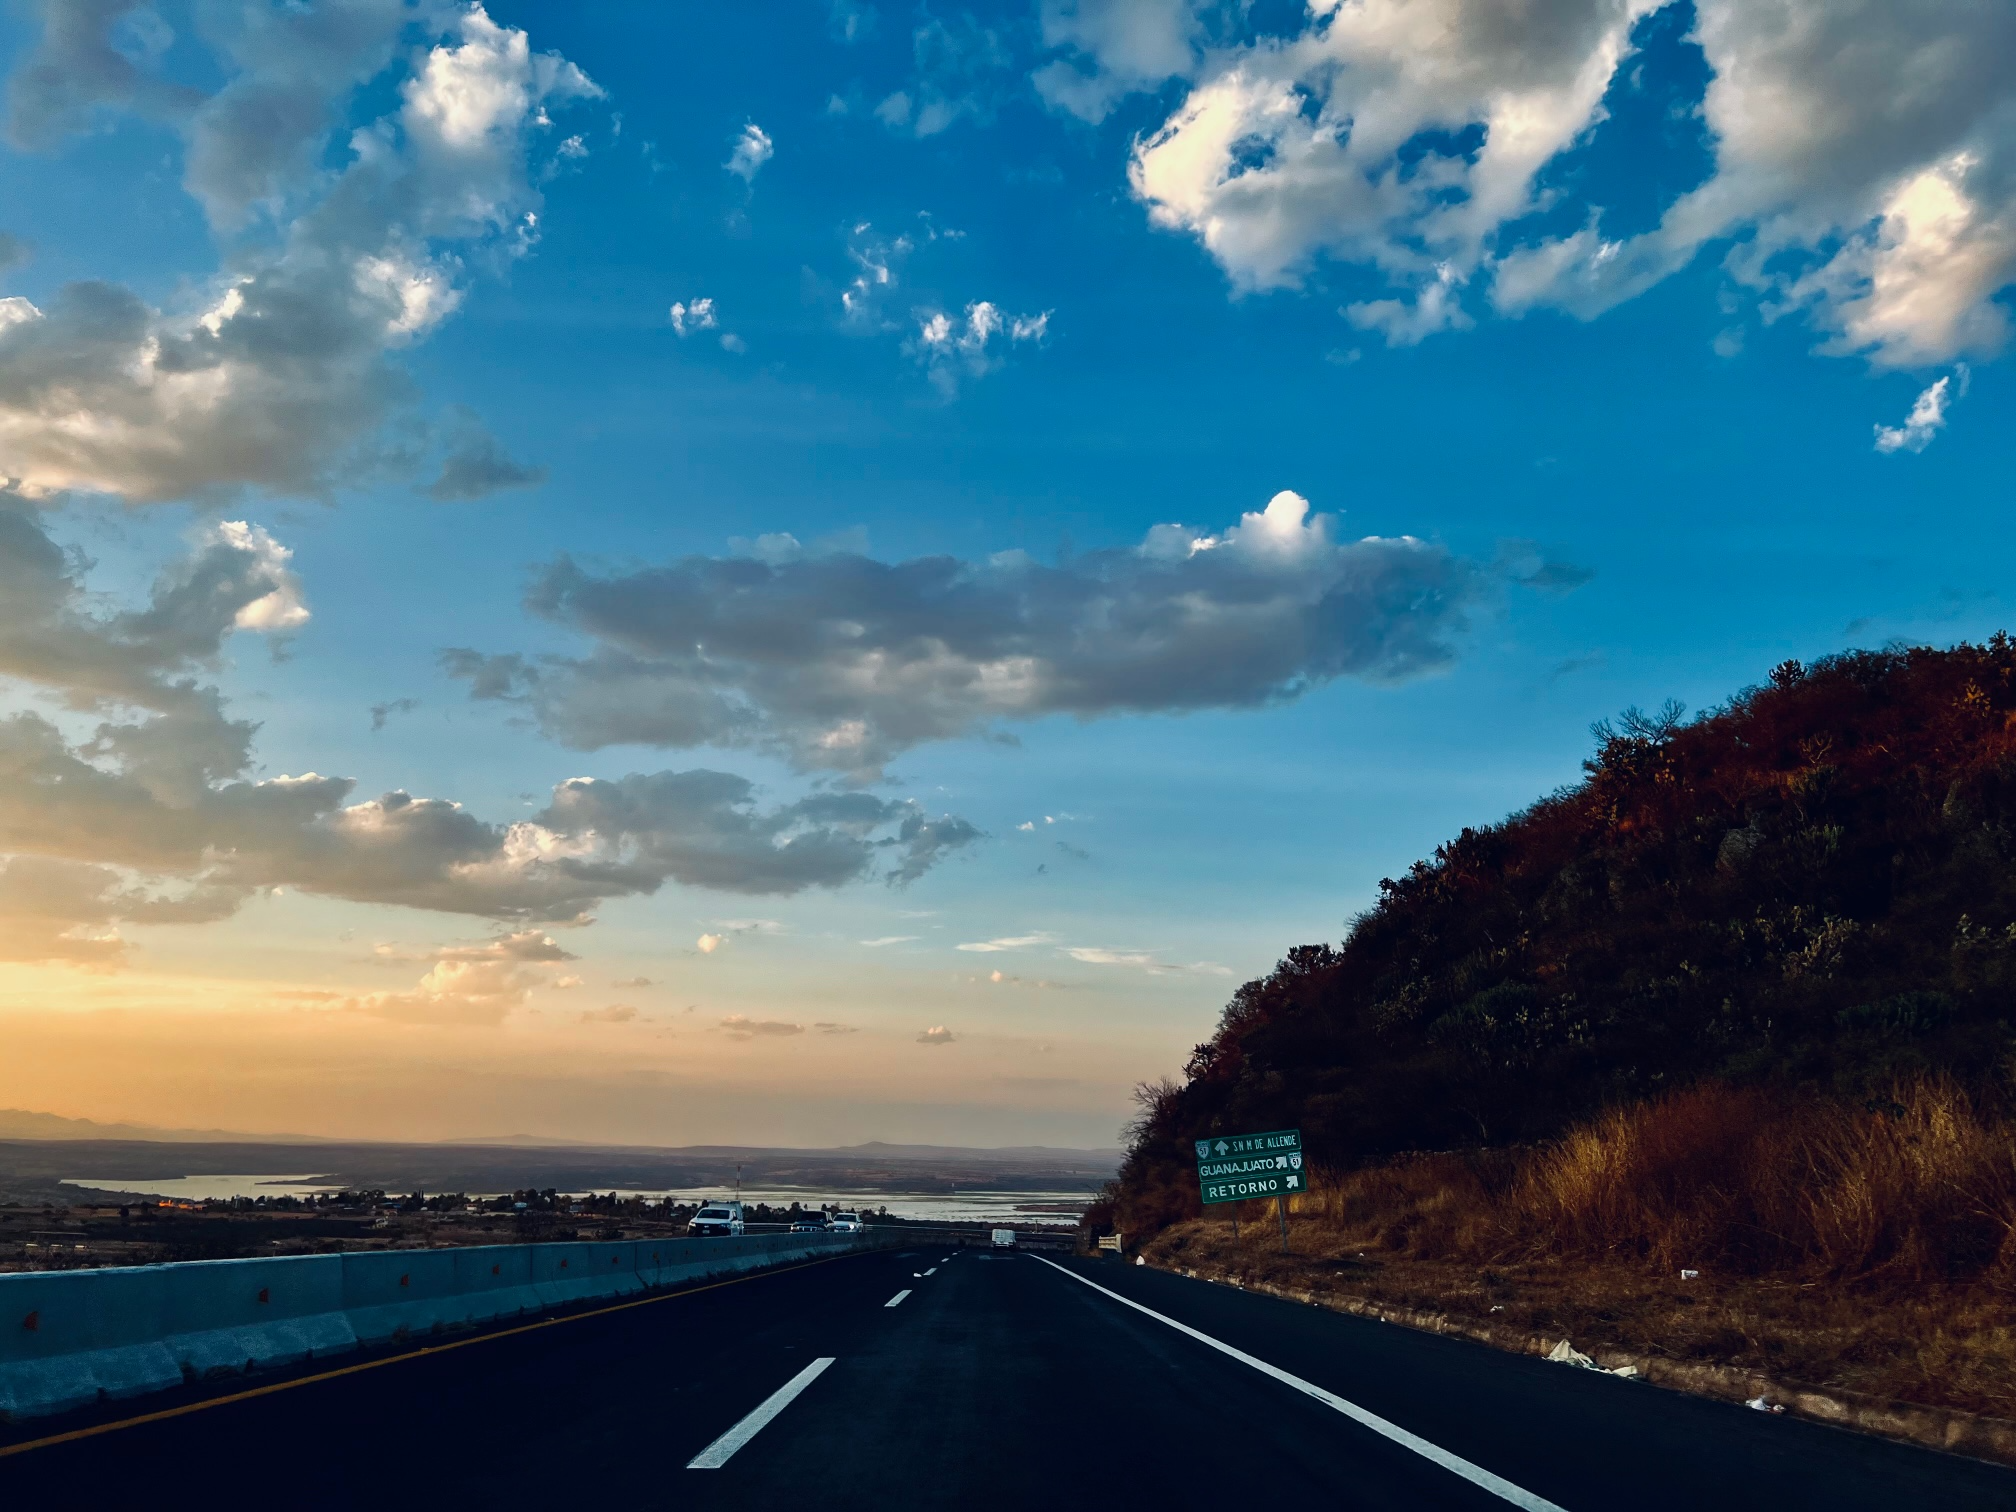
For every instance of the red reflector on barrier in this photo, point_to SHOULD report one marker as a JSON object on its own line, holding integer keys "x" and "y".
{"x": 405, "y": 1280}
{"x": 265, "y": 1294}
{"x": 33, "y": 1322}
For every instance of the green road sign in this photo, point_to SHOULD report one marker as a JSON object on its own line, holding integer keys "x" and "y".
{"x": 1235, "y": 1167}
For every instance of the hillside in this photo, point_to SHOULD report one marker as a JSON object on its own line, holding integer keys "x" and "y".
{"x": 1808, "y": 889}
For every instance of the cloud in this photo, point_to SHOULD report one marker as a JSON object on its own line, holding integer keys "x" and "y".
{"x": 753, "y": 148}
{"x": 1114, "y": 48}
{"x": 1864, "y": 162}
{"x": 12, "y": 252}
{"x": 876, "y": 259}
{"x": 937, "y": 1034}
{"x": 70, "y": 912}
{"x": 235, "y": 578}
{"x": 840, "y": 662}
{"x": 280, "y": 371}
{"x": 707, "y": 944}
{"x": 1009, "y": 942}
{"x": 958, "y": 71}
{"x": 1926, "y": 420}
{"x": 835, "y": 1029}
{"x": 1008, "y": 979}
{"x": 93, "y": 56}
{"x": 877, "y": 944}
{"x": 136, "y": 793}
{"x": 476, "y": 465}
{"x": 697, "y": 316}
{"x": 472, "y": 985}
{"x": 1099, "y": 955}
{"x": 380, "y": 713}
{"x": 950, "y": 348}
{"x": 633, "y": 982}
{"x": 849, "y": 20}
{"x": 615, "y": 1013}
{"x": 740, "y": 1026}
{"x": 1399, "y": 135}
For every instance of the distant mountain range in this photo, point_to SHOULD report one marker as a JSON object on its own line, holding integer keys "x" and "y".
{"x": 39, "y": 1150}
{"x": 17, "y": 1123}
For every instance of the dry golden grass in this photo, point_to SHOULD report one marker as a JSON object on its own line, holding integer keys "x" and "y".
{"x": 1865, "y": 1249}
{"x": 1920, "y": 1188}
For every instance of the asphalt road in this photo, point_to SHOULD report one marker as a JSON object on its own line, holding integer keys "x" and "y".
{"x": 999, "y": 1380}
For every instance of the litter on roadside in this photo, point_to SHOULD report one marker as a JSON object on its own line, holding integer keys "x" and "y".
{"x": 1763, "y": 1404}
{"x": 1565, "y": 1353}
{"x": 1687, "y": 1275}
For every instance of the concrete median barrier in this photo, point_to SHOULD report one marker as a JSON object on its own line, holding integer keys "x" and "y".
{"x": 69, "y": 1339}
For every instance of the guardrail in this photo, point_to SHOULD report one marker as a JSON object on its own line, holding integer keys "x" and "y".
{"x": 72, "y": 1338}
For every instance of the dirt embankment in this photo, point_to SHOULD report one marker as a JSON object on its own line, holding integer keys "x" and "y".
{"x": 1851, "y": 1262}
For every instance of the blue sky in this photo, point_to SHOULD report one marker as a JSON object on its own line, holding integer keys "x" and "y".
{"x": 779, "y": 418}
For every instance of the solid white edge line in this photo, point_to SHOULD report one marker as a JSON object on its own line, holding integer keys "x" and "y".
{"x": 718, "y": 1453}
{"x": 897, "y": 1298}
{"x": 1477, "y": 1475}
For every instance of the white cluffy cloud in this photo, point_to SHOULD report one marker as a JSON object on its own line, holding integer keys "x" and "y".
{"x": 840, "y": 662}
{"x": 753, "y": 148}
{"x": 950, "y": 346}
{"x": 134, "y": 803}
{"x": 280, "y": 372}
{"x": 1927, "y": 417}
{"x": 697, "y": 316}
{"x": 701, "y": 315}
{"x": 1864, "y": 160}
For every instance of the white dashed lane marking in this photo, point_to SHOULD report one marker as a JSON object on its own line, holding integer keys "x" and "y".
{"x": 718, "y": 1453}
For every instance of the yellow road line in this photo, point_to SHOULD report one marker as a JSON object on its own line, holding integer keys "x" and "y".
{"x": 412, "y": 1354}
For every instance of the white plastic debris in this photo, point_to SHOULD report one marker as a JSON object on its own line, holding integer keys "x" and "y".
{"x": 1140, "y": 1259}
{"x": 1763, "y": 1404}
{"x": 1565, "y": 1353}
{"x": 1499, "y": 1308}
{"x": 1689, "y": 1275}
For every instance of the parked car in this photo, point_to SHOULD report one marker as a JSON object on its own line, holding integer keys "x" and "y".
{"x": 1004, "y": 1238}
{"x": 846, "y": 1223}
{"x": 716, "y": 1220}
{"x": 810, "y": 1223}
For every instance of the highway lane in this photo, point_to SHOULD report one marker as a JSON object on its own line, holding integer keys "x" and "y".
{"x": 995, "y": 1380}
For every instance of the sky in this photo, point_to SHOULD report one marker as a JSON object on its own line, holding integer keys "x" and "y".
{"x": 848, "y": 570}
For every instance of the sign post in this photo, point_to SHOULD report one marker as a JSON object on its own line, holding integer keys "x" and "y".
{"x": 1236, "y": 1167}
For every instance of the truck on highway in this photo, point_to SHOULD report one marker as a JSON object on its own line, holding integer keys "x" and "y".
{"x": 1004, "y": 1238}
{"x": 717, "y": 1220}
